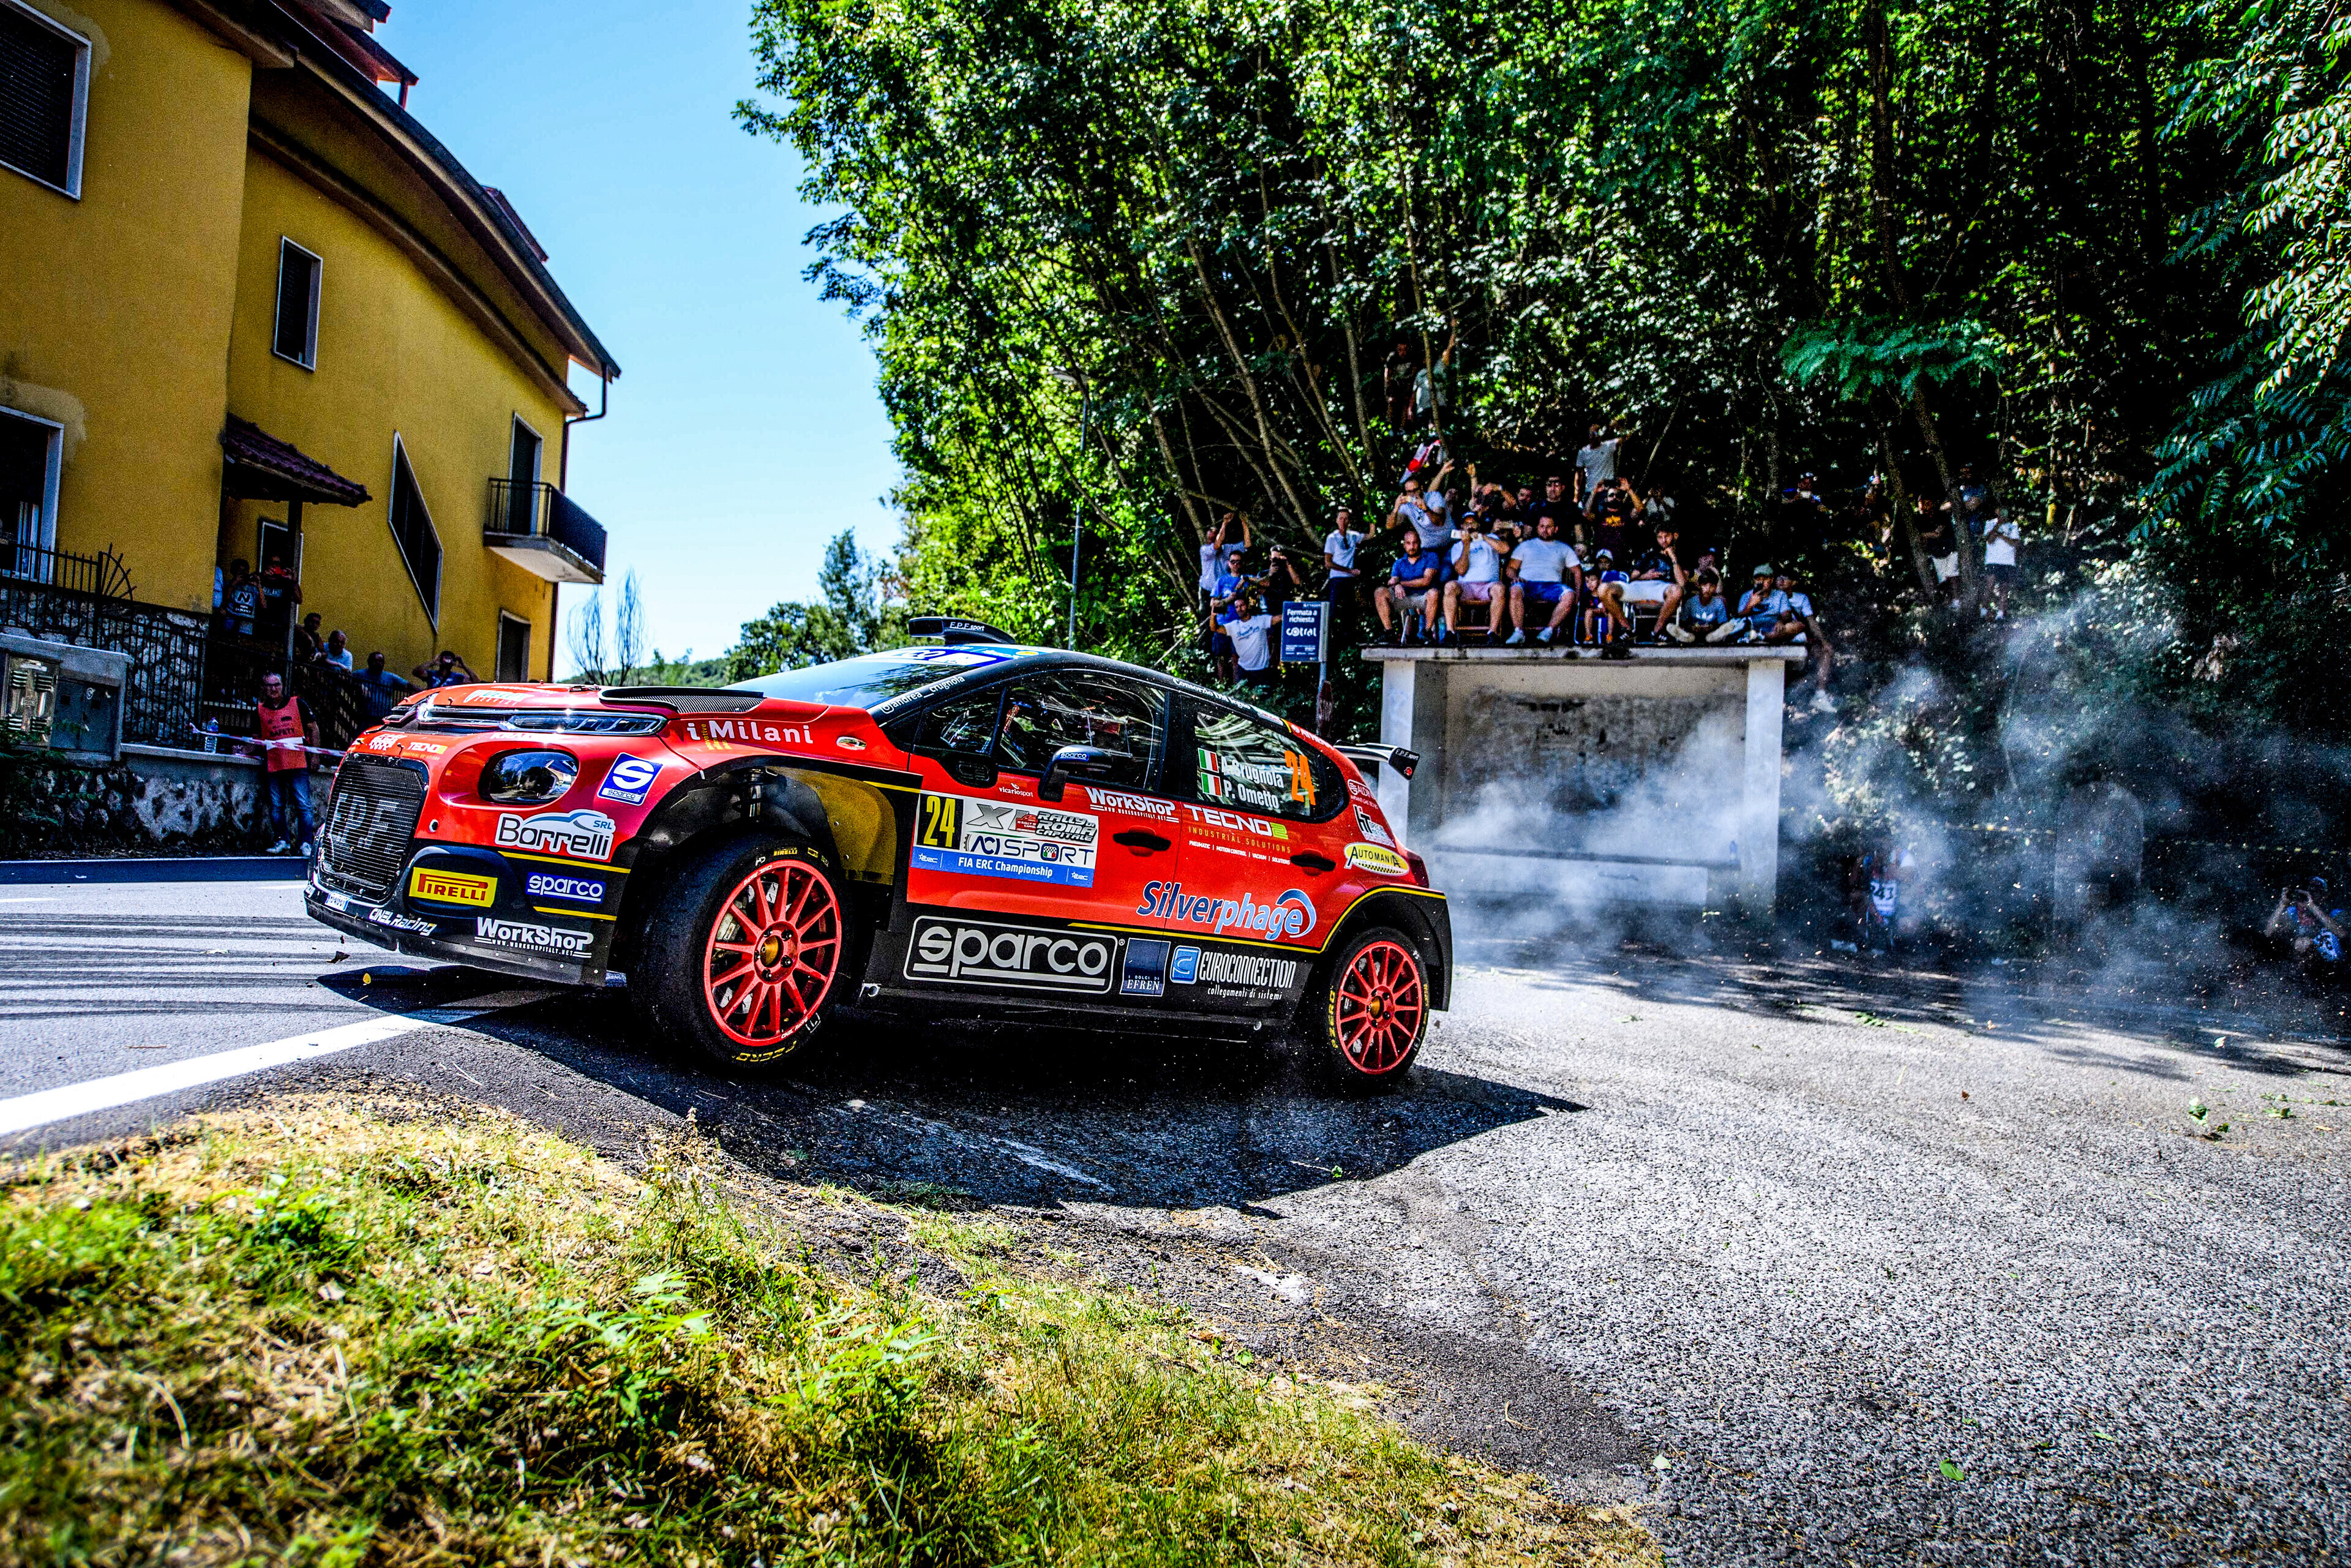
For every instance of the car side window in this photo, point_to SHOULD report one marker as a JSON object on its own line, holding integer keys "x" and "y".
{"x": 1237, "y": 760}
{"x": 963, "y": 728}
{"x": 1078, "y": 707}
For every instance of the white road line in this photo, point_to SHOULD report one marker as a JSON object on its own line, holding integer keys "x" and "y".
{"x": 49, "y": 1106}
{"x": 44, "y": 899}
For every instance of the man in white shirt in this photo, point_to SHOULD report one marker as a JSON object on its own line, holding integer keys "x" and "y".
{"x": 2002, "y": 536}
{"x": 1212, "y": 567}
{"x": 1476, "y": 577}
{"x": 1543, "y": 571}
{"x": 1250, "y": 630}
{"x": 1596, "y": 463}
{"x": 1339, "y": 546}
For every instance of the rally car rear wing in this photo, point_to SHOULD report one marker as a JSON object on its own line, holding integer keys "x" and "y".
{"x": 1396, "y": 757}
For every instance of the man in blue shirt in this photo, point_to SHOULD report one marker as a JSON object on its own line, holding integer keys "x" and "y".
{"x": 1705, "y": 616}
{"x": 1413, "y": 580}
{"x": 1762, "y": 607}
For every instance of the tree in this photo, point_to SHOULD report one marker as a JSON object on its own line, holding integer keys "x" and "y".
{"x": 855, "y": 613}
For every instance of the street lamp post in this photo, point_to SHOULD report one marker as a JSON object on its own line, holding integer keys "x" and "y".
{"x": 1070, "y": 377}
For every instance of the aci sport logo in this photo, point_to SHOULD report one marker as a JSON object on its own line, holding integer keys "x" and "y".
{"x": 1291, "y": 913}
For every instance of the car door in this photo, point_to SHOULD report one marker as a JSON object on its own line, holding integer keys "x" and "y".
{"x": 987, "y": 846}
{"x": 1263, "y": 865}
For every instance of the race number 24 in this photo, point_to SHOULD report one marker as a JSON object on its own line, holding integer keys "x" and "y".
{"x": 936, "y": 821}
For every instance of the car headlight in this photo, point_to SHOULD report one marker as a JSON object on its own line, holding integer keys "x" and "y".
{"x": 529, "y": 778}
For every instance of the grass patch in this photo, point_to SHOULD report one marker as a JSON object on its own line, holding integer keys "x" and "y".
{"x": 345, "y": 1335}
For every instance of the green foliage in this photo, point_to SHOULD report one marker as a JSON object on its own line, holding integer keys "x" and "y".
{"x": 315, "y": 1336}
{"x": 858, "y": 613}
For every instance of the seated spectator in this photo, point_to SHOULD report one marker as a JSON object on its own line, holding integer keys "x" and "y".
{"x": 338, "y": 651}
{"x": 1414, "y": 582}
{"x": 448, "y": 670}
{"x": 1705, "y": 615}
{"x": 1798, "y": 623}
{"x": 1475, "y": 579}
{"x": 2315, "y": 934}
{"x": 1762, "y": 607}
{"x": 1657, "y": 578}
{"x": 241, "y": 601}
{"x": 1249, "y": 628}
{"x": 2001, "y": 537}
{"x": 1607, "y": 624}
{"x": 1542, "y": 571}
{"x": 1426, "y": 513}
{"x": 380, "y": 689}
{"x": 308, "y": 645}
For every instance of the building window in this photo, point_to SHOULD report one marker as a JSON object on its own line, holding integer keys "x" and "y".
{"x": 298, "y": 304}
{"x": 44, "y": 96}
{"x": 514, "y": 648}
{"x": 412, "y": 531}
{"x": 28, "y": 493}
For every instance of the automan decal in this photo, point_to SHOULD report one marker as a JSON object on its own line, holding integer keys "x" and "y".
{"x": 582, "y": 834}
{"x": 1373, "y": 857}
{"x": 530, "y": 938}
{"x": 452, "y": 887}
{"x": 750, "y": 731}
{"x": 566, "y": 889}
{"x": 630, "y": 779}
{"x": 1371, "y": 828}
{"x": 1291, "y": 913}
{"x": 1014, "y": 839}
{"x": 977, "y": 953}
{"x": 1134, "y": 805}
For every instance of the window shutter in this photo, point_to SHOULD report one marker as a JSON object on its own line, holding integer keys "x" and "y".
{"x": 297, "y": 295}
{"x": 412, "y": 531}
{"x": 36, "y": 99}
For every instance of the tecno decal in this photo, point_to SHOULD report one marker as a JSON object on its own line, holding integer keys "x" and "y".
{"x": 751, "y": 731}
{"x": 1135, "y": 805}
{"x": 1257, "y": 969}
{"x": 1234, "y": 822}
{"x": 1372, "y": 857}
{"x": 532, "y": 938}
{"x": 1372, "y": 828}
{"x": 1010, "y": 839}
{"x": 973, "y": 953}
{"x": 582, "y": 834}
{"x": 1291, "y": 913}
{"x": 452, "y": 887}
{"x": 578, "y": 889}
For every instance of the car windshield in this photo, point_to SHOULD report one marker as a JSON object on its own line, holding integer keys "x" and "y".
{"x": 872, "y": 679}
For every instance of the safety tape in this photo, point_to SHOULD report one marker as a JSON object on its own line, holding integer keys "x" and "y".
{"x": 256, "y": 744}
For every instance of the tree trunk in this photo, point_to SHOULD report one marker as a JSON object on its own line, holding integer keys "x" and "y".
{"x": 1906, "y": 515}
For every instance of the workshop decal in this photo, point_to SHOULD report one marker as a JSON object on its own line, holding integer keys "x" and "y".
{"x": 1008, "y": 839}
{"x": 532, "y": 938}
{"x": 978, "y": 953}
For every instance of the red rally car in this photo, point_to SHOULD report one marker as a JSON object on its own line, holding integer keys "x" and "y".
{"x": 966, "y": 829}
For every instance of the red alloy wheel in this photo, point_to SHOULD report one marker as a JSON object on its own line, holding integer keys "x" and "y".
{"x": 774, "y": 950}
{"x": 1378, "y": 1005}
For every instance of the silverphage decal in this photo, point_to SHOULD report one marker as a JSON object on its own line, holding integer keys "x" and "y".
{"x": 1291, "y": 913}
{"x": 1009, "y": 839}
{"x": 977, "y": 953}
{"x": 579, "y": 835}
{"x": 530, "y": 938}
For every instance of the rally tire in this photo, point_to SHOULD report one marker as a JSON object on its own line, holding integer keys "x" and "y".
{"x": 1371, "y": 1012}
{"x": 749, "y": 955}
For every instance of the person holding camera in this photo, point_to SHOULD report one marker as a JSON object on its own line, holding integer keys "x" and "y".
{"x": 1476, "y": 577}
{"x": 2314, "y": 933}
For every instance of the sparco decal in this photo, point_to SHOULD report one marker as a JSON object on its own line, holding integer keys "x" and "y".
{"x": 1291, "y": 914}
{"x": 976, "y": 953}
{"x": 753, "y": 731}
{"x": 532, "y": 938}
{"x": 1248, "y": 969}
{"x": 582, "y": 835}
{"x": 1136, "y": 805}
{"x": 1010, "y": 839}
{"x": 577, "y": 889}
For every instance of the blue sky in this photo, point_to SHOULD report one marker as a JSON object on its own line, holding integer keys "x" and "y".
{"x": 745, "y": 431}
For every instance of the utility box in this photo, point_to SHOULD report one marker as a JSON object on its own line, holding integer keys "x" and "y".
{"x": 61, "y": 697}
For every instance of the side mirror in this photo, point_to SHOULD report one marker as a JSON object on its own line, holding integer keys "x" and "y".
{"x": 1078, "y": 762}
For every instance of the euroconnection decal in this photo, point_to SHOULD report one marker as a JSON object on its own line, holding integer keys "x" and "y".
{"x": 1291, "y": 914}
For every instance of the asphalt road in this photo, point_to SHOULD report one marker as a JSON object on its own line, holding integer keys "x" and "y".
{"x": 1815, "y": 1263}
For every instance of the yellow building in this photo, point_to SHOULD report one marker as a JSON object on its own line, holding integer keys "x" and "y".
{"x": 250, "y": 308}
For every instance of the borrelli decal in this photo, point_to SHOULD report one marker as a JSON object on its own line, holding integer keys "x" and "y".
{"x": 1374, "y": 857}
{"x": 532, "y": 938}
{"x": 1291, "y": 913}
{"x": 751, "y": 731}
{"x": 1009, "y": 839}
{"x": 976, "y": 953}
{"x": 1134, "y": 805}
{"x": 576, "y": 889}
{"x": 581, "y": 835}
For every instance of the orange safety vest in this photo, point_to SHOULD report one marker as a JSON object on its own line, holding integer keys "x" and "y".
{"x": 281, "y": 724}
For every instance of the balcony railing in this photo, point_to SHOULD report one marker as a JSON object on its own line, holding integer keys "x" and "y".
{"x": 100, "y": 576}
{"x": 538, "y": 527}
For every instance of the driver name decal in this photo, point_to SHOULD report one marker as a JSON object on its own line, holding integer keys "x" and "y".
{"x": 1014, "y": 839}
{"x": 974, "y": 953}
{"x": 1291, "y": 914}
